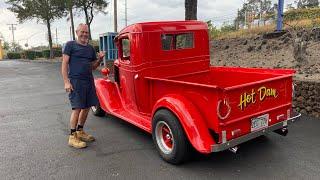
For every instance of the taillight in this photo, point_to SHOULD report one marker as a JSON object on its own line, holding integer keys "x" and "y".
{"x": 293, "y": 90}
{"x": 223, "y": 109}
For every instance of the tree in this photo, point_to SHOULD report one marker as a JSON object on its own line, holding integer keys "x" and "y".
{"x": 6, "y": 46}
{"x": 255, "y": 9}
{"x": 191, "y": 9}
{"x": 307, "y": 3}
{"x": 69, "y": 8}
{"x": 45, "y": 11}
{"x": 90, "y": 8}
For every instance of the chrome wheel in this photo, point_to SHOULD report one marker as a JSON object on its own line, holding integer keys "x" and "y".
{"x": 164, "y": 137}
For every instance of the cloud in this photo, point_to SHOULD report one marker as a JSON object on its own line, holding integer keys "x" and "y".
{"x": 138, "y": 11}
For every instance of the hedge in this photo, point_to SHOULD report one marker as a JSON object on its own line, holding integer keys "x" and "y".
{"x": 30, "y": 54}
{"x": 57, "y": 52}
{"x": 46, "y": 53}
{"x": 38, "y": 54}
{"x": 13, "y": 55}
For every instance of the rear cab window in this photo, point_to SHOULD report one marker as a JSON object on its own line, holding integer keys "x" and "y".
{"x": 177, "y": 41}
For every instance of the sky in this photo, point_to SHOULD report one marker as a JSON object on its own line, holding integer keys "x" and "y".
{"x": 34, "y": 33}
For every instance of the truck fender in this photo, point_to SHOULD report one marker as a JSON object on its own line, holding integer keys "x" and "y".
{"x": 192, "y": 122}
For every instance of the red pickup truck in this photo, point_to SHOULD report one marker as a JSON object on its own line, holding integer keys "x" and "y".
{"x": 164, "y": 84}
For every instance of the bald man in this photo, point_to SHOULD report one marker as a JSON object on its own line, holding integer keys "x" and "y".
{"x": 79, "y": 59}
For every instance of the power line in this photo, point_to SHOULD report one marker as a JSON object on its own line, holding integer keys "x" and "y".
{"x": 12, "y": 28}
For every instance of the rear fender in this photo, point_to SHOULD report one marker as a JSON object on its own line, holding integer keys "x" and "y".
{"x": 192, "y": 122}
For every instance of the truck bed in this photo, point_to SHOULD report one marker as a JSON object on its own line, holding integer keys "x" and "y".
{"x": 232, "y": 77}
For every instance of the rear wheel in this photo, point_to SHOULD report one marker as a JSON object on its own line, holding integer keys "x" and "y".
{"x": 169, "y": 137}
{"x": 97, "y": 111}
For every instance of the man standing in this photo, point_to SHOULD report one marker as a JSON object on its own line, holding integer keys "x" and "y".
{"x": 79, "y": 59}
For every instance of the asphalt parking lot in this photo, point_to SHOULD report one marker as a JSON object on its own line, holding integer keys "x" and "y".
{"x": 34, "y": 115}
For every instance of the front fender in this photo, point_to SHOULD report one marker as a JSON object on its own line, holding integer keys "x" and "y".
{"x": 192, "y": 122}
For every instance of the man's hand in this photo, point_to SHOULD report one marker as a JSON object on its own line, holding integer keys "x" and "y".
{"x": 101, "y": 55}
{"x": 68, "y": 87}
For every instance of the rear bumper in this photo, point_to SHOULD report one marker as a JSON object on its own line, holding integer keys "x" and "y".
{"x": 242, "y": 139}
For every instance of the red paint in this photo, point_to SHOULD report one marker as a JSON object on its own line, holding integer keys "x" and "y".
{"x": 182, "y": 81}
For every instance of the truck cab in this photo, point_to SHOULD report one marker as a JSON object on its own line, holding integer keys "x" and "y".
{"x": 164, "y": 84}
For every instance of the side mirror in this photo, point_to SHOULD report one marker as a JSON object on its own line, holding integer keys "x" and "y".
{"x": 105, "y": 72}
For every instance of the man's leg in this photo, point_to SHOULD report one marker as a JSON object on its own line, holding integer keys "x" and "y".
{"x": 74, "y": 141}
{"x": 83, "y": 116}
{"x": 82, "y": 120}
{"x": 74, "y": 119}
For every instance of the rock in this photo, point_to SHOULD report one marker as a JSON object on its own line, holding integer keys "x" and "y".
{"x": 251, "y": 48}
{"x": 245, "y": 42}
{"x": 259, "y": 48}
{"x": 300, "y": 99}
{"x": 308, "y": 108}
{"x": 264, "y": 42}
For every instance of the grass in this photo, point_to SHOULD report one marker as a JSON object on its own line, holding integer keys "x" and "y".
{"x": 247, "y": 33}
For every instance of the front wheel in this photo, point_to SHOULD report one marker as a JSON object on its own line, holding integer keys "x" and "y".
{"x": 169, "y": 137}
{"x": 97, "y": 111}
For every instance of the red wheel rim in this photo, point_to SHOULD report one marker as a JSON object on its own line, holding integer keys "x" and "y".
{"x": 164, "y": 137}
{"x": 167, "y": 136}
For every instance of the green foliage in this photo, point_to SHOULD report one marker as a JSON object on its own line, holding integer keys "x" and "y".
{"x": 90, "y": 8}
{"x": 307, "y": 3}
{"x": 215, "y": 32}
{"x": 13, "y": 55}
{"x": 57, "y": 52}
{"x": 6, "y": 46}
{"x": 41, "y": 10}
{"x": 38, "y": 54}
{"x": 298, "y": 14}
{"x": 30, "y": 54}
{"x": 228, "y": 27}
{"x": 256, "y": 7}
{"x": 46, "y": 53}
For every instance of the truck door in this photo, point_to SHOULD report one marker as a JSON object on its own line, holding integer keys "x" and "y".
{"x": 126, "y": 73}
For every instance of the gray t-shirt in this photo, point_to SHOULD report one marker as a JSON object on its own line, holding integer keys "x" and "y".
{"x": 81, "y": 57}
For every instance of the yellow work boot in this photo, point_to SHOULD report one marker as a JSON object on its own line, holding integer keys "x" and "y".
{"x": 84, "y": 136}
{"x": 75, "y": 142}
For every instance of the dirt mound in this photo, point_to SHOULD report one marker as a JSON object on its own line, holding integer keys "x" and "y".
{"x": 272, "y": 52}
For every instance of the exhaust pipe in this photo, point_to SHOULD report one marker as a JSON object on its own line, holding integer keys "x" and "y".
{"x": 283, "y": 131}
{"x": 234, "y": 149}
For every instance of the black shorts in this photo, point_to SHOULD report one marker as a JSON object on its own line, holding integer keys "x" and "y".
{"x": 83, "y": 95}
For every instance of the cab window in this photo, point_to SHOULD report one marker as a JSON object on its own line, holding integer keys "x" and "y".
{"x": 177, "y": 41}
{"x": 125, "y": 44}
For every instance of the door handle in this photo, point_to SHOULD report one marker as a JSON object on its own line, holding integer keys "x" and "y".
{"x": 136, "y": 76}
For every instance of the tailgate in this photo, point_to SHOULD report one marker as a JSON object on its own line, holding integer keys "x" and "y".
{"x": 254, "y": 106}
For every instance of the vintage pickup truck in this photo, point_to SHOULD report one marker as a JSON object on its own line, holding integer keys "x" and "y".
{"x": 164, "y": 84}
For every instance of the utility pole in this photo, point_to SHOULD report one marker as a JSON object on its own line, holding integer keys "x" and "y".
{"x": 115, "y": 16}
{"x": 56, "y": 37}
{"x": 12, "y": 28}
{"x": 126, "y": 12}
{"x": 280, "y": 15}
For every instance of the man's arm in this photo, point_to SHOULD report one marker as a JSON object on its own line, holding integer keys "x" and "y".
{"x": 97, "y": 62}
{"x": 64, "y": 71}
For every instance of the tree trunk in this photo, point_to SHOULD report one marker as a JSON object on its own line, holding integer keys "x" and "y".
{"x": 50, "y": 38}
{"x": 191, "y": 9}
{"x": 72, "y": 24}
{"x": 87, "y": 21}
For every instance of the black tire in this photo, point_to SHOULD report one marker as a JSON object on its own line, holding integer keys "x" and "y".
{"x": 97, "y": 111}
{"x": 181, "y": 148}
